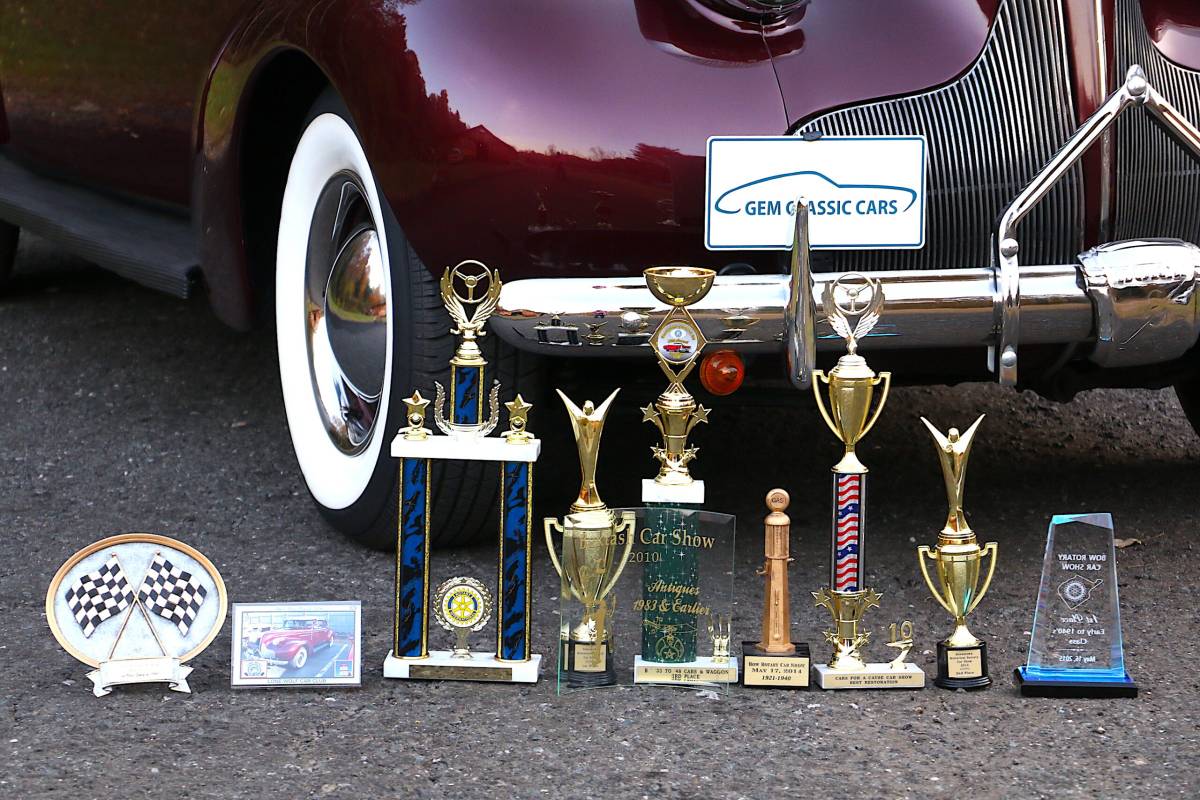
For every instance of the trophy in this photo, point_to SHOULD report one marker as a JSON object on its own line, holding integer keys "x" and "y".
{"x": 851, "y": 385}
{"x": 775, "y": 660}
{"x": 469, "y": 291}
{"x": 165, "y": 600}
{"x": 962, "y": 659}
{"x": 675, "y": 548}
{"x": 1076, "y": 649}
{"x": 590, "y": 565}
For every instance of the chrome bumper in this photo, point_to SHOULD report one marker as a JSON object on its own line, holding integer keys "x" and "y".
{"x": 1133, "y": 302}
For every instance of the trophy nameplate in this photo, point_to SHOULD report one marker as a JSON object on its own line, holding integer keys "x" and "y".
{"x": 1076, "y": 649}
{"x": 137, "y": 607}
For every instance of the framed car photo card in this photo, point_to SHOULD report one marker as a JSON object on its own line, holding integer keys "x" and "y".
{"x": 297, "y": 644}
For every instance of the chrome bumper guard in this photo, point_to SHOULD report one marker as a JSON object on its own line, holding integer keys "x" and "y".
{"x": 1134, "y": 301}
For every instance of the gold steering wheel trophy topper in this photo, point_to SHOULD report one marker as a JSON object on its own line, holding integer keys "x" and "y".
{"x": 470, "y": 291}
{"x": 677, "y": 343}
{"x": 463, "y": 606}
{"x": 775, "y": 661}
{"x": 962, "y": 658}
{"x": 853, "y": 305}
{"x": 595, "y": 550}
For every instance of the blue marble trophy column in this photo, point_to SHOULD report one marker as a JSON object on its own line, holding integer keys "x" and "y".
{"x": 516, "y": 515}
{"x": 411, "y": 636}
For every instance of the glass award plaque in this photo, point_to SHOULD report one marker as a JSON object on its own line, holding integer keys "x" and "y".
{"x": 649, "y": 601}
{"x": 1076, "y": 648}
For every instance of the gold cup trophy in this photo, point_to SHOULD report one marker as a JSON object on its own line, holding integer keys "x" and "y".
{"x": 851, "y": 387}
{"x": 595, "y": 549}
{"x": 962, "y": 658}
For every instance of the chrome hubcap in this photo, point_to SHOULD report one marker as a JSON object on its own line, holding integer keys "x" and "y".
{"x": 346, "y": 313}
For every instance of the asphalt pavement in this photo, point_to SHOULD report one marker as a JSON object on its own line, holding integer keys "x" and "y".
{"x": 125, "y": 410}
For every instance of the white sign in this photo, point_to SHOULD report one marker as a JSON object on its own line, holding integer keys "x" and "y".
{"x": 863, "y": 192}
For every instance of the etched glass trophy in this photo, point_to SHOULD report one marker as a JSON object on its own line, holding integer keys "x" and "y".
{"x": 463, "y": 605}
{"x": 1076, "y": 648}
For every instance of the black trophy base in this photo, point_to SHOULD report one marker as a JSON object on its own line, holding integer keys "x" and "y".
{"x": 962, "y": 667}
{"x": 1073, "y": 690}
{"x": 589, "y": 665}
{"x": 765, "y": 670}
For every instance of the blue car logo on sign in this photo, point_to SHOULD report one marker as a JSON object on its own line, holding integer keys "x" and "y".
{"x": 780, "y": 196}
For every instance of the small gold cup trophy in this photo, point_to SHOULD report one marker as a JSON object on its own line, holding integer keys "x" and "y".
{"x": 679, "y": 538}
{"x": 590, "y": 566}
{"x": 776, "y": 661}
{"x": 851, "y": 385}
{"x": 962, "y": 658}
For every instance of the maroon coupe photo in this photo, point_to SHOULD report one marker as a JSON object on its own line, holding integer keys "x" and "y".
{"x": 312, "y": 166}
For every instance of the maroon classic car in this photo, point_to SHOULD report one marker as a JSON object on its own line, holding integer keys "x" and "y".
{"x": 295, "y": 641}
{"x": 314, "y": 164}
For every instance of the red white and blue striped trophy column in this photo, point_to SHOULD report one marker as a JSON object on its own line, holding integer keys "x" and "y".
{"x": 852, "y": 306}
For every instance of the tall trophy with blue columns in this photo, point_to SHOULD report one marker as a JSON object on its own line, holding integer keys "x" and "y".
{"x": 469, "y": 292}
{"x": 852, "y": 306}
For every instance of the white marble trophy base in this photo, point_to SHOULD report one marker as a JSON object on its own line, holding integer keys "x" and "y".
{"x": 441, "y": 665}
{"x": 703, "y": 671}
{"x": 871, "y": 676}
{"x": 466, "y": 447}
{"x": 653, "y": 492}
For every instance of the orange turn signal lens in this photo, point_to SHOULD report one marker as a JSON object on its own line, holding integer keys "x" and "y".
{"x": 722, "y": 372}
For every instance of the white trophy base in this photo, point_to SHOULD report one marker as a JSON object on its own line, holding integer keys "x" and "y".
{"x": 122, "y": 671}
{"x": 466, "y": 447}
{"x": 653, "y": 492}
{"x": 441, "y": 665}
{"x": 871, "y": 676}
{"x": 701, "y": 672}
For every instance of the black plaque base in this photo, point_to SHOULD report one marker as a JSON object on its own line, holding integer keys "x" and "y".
{"x": 962, "y": 667}
{"x": 591, "y": 678}
{"x": 1074, "y": 689}
{"x": 782, "y": 671}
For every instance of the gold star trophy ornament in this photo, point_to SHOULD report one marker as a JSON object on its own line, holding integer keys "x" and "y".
{"x": 962, "y": 658}
{"x": 415, "y": 408}
{"x": 851, "y": 386}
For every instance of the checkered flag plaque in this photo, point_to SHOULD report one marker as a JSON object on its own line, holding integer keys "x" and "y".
{"x": 99, "y": 595}
{"x": 172, "y": 593}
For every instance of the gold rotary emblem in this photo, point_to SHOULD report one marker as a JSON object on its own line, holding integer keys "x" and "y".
{"x": 463, "y": 604}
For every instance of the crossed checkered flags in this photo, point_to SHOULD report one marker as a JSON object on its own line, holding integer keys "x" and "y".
{"x": 172, "y": 593}
{"x": 99, "y": 595}
{"x": 167, "y": 591}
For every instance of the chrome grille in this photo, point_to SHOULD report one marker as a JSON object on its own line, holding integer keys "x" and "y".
{"x": 989, "y": 132}
{"x": 1154, "y": 174}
